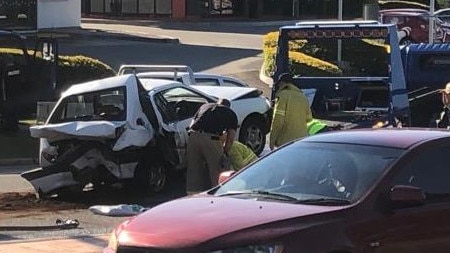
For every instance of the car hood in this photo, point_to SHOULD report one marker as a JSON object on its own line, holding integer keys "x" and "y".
{"x": 188, "y": 222}
{"x": 91, "y": 129}
{"x": 230, "y": 93}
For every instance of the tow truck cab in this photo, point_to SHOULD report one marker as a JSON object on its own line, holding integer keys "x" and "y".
{"x": 351, "y": 71}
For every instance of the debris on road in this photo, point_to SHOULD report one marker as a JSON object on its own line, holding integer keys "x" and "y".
{"x": 117, "y": 210}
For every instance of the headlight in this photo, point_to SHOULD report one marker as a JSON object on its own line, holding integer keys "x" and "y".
{"x": 253, "y": 249}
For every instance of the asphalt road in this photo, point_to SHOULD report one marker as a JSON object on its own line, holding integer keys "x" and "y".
{"x": 227, "y": 49}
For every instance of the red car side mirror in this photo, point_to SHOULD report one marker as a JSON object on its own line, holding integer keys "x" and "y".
{"x": 407, "y": 195}
{"x": 224, "y": 176}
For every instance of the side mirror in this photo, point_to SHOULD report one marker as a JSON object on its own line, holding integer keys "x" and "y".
{"x": 224, "y": 176}
{"x": 406, "y": 195}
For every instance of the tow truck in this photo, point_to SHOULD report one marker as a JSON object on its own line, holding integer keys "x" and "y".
{"x": 362, "y": 82}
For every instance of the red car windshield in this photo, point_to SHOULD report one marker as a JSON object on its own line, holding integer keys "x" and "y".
{"x": 306, "y": 171}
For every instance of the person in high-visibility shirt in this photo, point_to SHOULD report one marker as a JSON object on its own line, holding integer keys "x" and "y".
{"x": 316, "y": 126}
{"x": 291, "y": 113}
{"x": 239, "y": 154}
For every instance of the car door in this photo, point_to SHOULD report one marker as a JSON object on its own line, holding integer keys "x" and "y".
{"x": 176, "y": 108}
{"x": 418, "y": 228}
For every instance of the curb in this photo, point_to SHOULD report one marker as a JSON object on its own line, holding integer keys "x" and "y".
{"x": 86, "y": 34}
{"x": 197, "y": 22}
{"x": 51, "y": 239}
{"x": 18, "y": 161}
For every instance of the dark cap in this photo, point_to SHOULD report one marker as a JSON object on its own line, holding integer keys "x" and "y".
{"x": 224, "y": 102}
{"x": 285, "y": 77}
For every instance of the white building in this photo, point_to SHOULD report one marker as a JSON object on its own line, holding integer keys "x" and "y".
{"x": 58, "y": 13}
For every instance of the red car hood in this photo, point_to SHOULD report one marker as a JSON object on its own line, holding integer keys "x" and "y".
{"x": 189, "y": 221}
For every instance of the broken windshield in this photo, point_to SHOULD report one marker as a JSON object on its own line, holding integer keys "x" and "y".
{"x": 100, "y": 105}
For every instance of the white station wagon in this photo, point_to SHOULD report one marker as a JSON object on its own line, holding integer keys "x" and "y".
{"x": 127, "y": 128}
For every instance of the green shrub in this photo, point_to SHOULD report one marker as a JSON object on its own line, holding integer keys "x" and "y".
{"x": 402, "y": 4}
{"x": 316, "y": 59}
{"x": 79, "y": 68}
{"x": 301, "y": 63}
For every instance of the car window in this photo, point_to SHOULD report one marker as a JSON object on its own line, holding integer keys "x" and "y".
{"x": 231, "y": 83}
{"x": 100, "y": 105}
{"x": 178, "y": 103}
{"x": 429, "y": 171}
{"x": 207, "y": 81}
{"x": 315, "y": 170}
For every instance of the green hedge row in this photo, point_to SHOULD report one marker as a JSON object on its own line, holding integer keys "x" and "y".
{"x": 316, "y": 59}
{"x": 71, "y": 69}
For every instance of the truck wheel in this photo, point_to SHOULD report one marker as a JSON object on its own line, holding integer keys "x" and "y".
{"x": 253, "y": 134}
{"x": 151, "y": 178}
{"x": 406, "y": 41}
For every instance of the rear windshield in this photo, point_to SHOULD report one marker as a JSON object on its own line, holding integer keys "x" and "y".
{"x": 100, "y": 105}
{"x": 338, "y": 52}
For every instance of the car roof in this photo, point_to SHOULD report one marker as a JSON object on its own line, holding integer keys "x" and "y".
{"x": 100, "y": 84}
{"x": 404, "y": 10}
{"x": 388, "y": 137}
{"x": 442, "y": 10}
{"x": 154, "y": 83}
{"x": 118, "y": 81}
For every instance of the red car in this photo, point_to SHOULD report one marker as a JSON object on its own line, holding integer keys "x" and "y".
{"x": 376, "y": 191}
{"x": 416, "y": 24}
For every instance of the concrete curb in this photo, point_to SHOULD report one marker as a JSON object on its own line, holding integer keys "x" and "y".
{"x": 199, "y": 22}
{"x": 18, "y": 161}
{"x": 86, "y": 34}
{"x": 52, "y": 239}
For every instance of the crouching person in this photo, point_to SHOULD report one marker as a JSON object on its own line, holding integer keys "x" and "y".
{"x": 239, "y": 155}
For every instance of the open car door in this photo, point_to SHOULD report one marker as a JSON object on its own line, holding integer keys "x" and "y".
{"x": 176, "y": 107}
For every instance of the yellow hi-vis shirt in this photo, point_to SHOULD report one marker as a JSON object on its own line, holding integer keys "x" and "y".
{"x": 290, "y": 116}
{"x": 315, "y": 126}
{"x": 240, "y": 155}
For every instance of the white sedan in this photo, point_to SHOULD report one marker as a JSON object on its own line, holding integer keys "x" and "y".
{"x": 124, "y": 127}
{"x": 183, "y": 74}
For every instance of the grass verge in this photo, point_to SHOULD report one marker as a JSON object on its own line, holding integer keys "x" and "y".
{"x": 18, "y": 144}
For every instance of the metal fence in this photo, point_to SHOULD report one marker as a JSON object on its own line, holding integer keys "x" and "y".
{"x": 18, "y": 14}
{"x": 129, "y": 7}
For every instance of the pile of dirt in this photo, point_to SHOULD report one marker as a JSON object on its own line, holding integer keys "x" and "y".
{"x": 16, "y": 204}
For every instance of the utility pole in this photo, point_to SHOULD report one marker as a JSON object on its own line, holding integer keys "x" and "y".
{"x": 431, "y": 23}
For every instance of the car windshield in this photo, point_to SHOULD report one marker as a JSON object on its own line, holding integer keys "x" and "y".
{"x": 100, "y": 105}
{"x": 312, "y": 173}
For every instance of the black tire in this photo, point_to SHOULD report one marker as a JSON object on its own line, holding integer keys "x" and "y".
{"x": 406, "y": 41}
{"x": 253, "y": 134}
{"x": 151, "y": 178}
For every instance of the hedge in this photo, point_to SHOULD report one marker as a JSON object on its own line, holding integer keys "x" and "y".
{"x": 71, "y": 69}
{"x": 301, "y": 63}
{"x": 316, "y": 59}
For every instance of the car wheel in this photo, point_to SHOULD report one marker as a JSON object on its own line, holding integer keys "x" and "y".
{"x": 151, "y": 178}
{"x": 406, "y": 41}
{"x": 253, "y": 134}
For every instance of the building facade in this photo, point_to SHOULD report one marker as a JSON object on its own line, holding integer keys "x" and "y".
{"x": 221, "y": 8}
{"x": 39, "y": 14}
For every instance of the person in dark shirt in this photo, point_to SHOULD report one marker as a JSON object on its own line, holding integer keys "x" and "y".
{"x": 204, "y": 146}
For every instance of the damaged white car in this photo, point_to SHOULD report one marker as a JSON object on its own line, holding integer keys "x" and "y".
{"x": 126, "y": 129}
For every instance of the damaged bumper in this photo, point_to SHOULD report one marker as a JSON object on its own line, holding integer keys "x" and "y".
{"x": 46, "y": 181}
